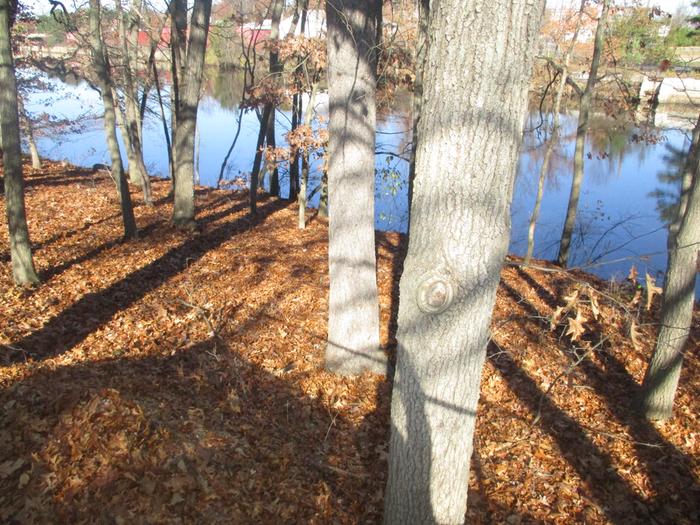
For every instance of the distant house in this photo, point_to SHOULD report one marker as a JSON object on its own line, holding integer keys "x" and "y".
{"x": 256, "y": 33}
{"x": 315, "y": 26}
{"x": 144, "y": 38}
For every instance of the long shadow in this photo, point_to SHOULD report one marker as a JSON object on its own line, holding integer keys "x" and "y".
{"x": 60, "y": 268}
{"x": 610, "y": 490}
{"x": 90, "y": 312}
{"x": 618, "y": 387}
{"x": 238, "y": 440}
{"x": 247, "y": 433}
{"x": 63, "y": 180}
{"x": 621, "y": 391}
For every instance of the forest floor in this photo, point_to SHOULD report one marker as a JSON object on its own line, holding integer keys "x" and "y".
{"x": 179, "y": 378}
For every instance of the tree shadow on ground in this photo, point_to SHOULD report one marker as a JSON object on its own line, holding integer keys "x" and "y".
{"x": 93, "y": 310}
{"x": 669, "y": 471}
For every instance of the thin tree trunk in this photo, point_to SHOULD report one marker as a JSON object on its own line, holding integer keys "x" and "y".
{"x": 275, "y": 73}
{"x": 23, "y": 271}
{"x": 188, "y": 101}
{"x": 168, "y": 145}
{"x": 582, "y": 128}
{"x": 130, "y": 116}
{"x": 460, "y": 226}
{"x": 661, "y": 378}
{"x": 105, "y": 84}
{"x": 294, "y": 162}
{"x": 300, "y": 16}
{"x": 178, "y": 55}
{"x": 26, "y": 123}
{"x": 353, "y": 314}
{"x": 303, "y": 189}
{"x": 553, "y": 139}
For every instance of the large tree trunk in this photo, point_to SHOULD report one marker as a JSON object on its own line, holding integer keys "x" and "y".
{"x": 661, "y": 379}
{"x": 582, "y": 128}
{"x": 23, "y": 271}
{"x": 353, "y": 316}
{"x": 105, "y": 84}
{"x": 474, "y": 102}
{"x": 188, "y": 101}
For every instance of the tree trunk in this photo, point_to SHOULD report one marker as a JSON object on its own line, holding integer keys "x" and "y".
{"x": 300, "y": 16}
{"x": 257, "y": 161}
{"x": 353, "y": 316}
{"x": 460, "y": 225}
{"x": 661, "y": 379}
{"x": 294, "y": 161}
{"x": 131, "y": 116}
{"x": 156, "y": 80}
{"x": 275, "y": 73}
{"x": 33, "y": 150}
{"x": 303, "y": 187}
{"x": 105, "y": 84}
{"x": 553, "y": 139}
{"x": 583, "y": 116}
{"x": 28, "y": 126}
{"x": 23, "y": 271}
{"x": 188, "y": 101}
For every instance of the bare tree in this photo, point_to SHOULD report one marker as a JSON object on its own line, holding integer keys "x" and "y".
{"x": 474, "y": 101}
{"x": 554, "y": 137}
{"x": 104, "y": 83}
{"x": 586, "y": 96}
{"x": 661, "y": 378}
{"x": 130, "y": 116}
{"x": 267, "y": 124}
{"x": 23, "y": 271}
{"x": 353, "y": 316}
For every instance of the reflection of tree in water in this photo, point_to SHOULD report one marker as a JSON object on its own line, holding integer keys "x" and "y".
{"x": 667, "y": 195}
{"x": 226, "y": 86}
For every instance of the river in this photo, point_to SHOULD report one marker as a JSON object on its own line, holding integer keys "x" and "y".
{"x": 628, "y": 181}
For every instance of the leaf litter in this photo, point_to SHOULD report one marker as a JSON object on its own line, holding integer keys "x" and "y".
{"x": 178, "y": 378}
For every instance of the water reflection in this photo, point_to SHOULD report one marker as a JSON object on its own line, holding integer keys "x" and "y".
{"x": 628, "y": 182}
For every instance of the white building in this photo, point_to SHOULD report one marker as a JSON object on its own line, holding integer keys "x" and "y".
{"x": 315, "y": 25}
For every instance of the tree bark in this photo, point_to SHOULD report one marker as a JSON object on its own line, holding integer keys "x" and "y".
{"x": 474, "y": 102}
{"x": 582, "y": 128}
{"x": 189, "y": 85}
{"x": 661, "y": 379}
{"x": 104, "y": 82}
{"x": 23, "y": 271}
{"x": 353, "y": 317}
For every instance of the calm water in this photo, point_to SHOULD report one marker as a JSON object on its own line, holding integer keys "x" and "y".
{"x": 625, "y": 187}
